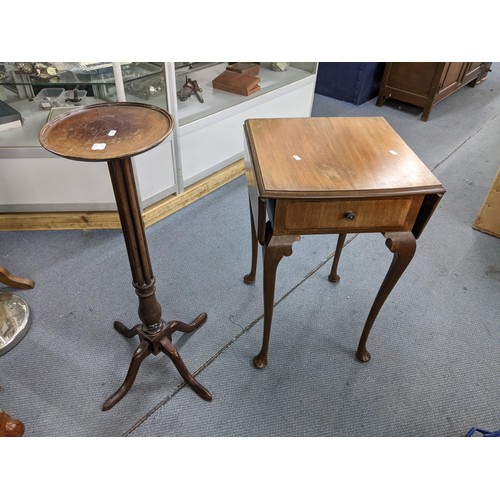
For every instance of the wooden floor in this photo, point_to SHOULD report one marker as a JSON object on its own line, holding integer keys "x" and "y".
{"x": 39, "y": 221}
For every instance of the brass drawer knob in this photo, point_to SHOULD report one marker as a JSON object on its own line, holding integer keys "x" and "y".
{"x": 349, "y": 215}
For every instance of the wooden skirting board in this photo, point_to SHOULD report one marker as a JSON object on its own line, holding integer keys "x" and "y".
{"x": 41, "y": 221}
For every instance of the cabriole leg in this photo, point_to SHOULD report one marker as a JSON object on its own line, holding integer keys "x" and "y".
{"x": 403, "y": 246}
{"x": 334, "y": 277}
{"x": 273, "y": 250}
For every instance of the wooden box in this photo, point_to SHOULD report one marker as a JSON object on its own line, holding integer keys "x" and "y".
{"x": 245, "y": 68}
{"x": 238, "y": 83}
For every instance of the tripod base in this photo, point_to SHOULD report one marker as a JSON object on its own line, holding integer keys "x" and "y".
{"x": 154, "y": 343}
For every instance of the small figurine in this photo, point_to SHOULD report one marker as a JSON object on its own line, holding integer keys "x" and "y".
{"x": 188, "y": 88}
{"x": 279, "y": 66}
{"x": 75, "y": 99}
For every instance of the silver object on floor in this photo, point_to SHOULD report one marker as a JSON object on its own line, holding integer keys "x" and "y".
{"x": 15, "y": 320}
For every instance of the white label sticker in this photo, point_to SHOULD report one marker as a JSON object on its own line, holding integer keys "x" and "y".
{"x": 99, "y": 145}
{"x": 111, "y": 133}
{"x": 297, "y": 157}
{"x": 393, "y": 152}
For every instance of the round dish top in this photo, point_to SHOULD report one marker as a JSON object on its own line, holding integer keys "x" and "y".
{"x": 101, "y": 132}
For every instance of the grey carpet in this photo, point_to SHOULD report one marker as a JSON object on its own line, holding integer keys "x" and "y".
{"x": 435, "y": 344}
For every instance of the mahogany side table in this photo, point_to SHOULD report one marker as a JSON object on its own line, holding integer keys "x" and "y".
{"x": 114, "y": 132}
{"x": 327, "y": 175}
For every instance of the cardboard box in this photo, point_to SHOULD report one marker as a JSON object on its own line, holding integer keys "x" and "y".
{"x": 488, "y": 219}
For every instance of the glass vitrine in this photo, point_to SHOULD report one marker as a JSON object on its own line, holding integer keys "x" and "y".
{"x": 207, "y": 135}
{"x": 40, "y": 91}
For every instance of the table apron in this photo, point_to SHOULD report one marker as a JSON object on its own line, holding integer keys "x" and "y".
{"x": 346, "y": 215}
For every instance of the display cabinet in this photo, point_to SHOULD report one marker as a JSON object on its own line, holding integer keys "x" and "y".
{"x": 207, "y": 136}
{"x": 33, "y": 180}
{"x": 26, "y": 91}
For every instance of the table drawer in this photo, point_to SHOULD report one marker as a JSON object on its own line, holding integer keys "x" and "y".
{"x": 346, "y": 215}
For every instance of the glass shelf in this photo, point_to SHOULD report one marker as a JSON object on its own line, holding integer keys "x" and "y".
{"x": 71, "y": 73}
{"x": 216, "y": 101}
{"x": 142, "y": 81}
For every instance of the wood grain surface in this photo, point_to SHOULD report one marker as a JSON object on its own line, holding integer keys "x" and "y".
{"x": 329, "y": 157}
{"x": 106, "y": 131}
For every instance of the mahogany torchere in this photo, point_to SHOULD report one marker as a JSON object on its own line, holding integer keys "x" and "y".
{"x": 333, "y": 175}
{"x": 114, "y": 132}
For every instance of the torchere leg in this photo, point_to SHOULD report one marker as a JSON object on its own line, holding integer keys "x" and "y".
{"x": 403, "y": 246}
{"x": 126, "y": 332}
{"x": 334, "y": 277}
{"x": 250, "y": 277}
{"x": 176, "y": 325}
{"x": 169, "y": 349}
{"x": 166, "y": 346}
{"x": 273, "y": 250}
{"x": 141, "y": 353}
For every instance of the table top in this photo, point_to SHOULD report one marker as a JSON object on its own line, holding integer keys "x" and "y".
{"x": 324, "y": 157}
{"x": 102, "y": 132}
